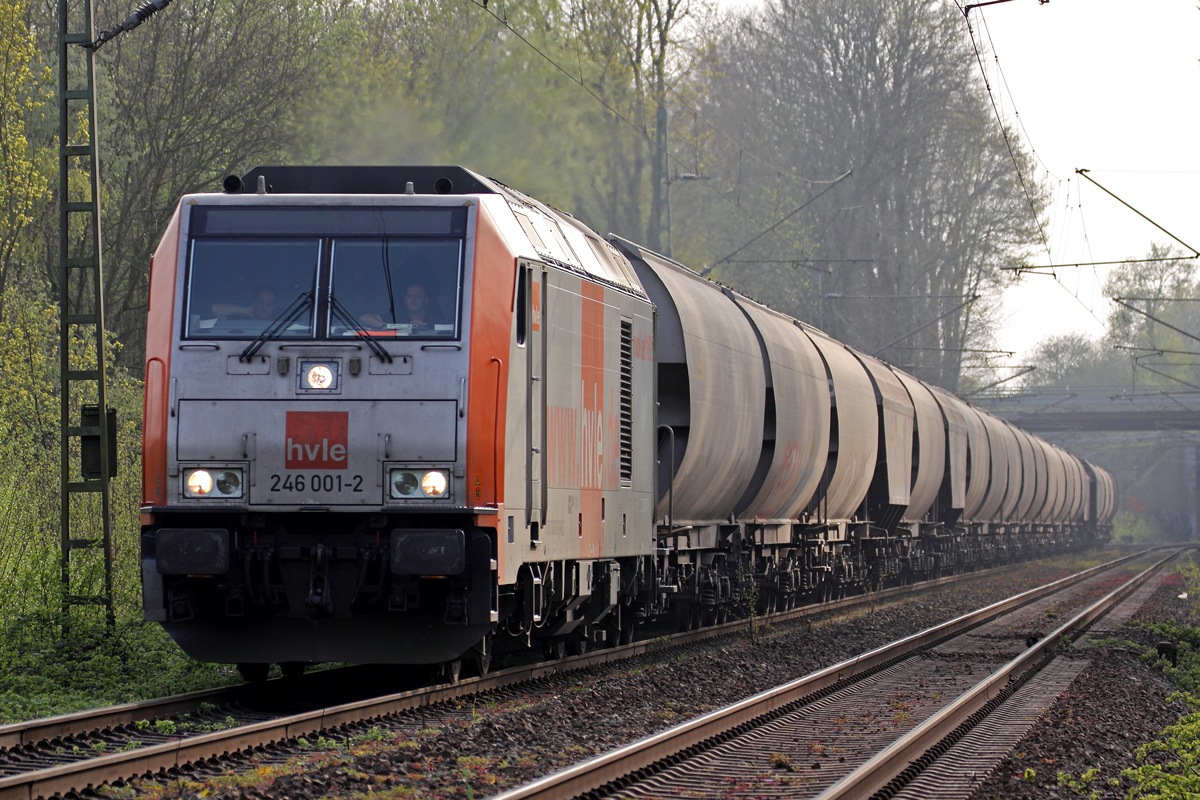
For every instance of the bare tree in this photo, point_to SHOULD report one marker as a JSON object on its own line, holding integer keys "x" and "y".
{"x": 207, "y": 89}
{"x": 933, "y": 208}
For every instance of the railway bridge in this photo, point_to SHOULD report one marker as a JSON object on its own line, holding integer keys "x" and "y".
{"x": 1146, "y": 436}
{"x": 1051, "y": 411}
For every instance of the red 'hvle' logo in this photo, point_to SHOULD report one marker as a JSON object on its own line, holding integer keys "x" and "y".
{"x": 316, "y": 439}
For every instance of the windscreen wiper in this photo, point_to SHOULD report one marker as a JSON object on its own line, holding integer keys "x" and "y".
{"x": 302, "y": 303}
{"x": 340, "y": 312}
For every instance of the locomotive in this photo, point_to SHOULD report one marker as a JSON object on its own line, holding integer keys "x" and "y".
{"x": 412, "y": 415}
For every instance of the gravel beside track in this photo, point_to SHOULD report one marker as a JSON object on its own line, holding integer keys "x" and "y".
{"x": 807, "y": 750}
{"x": 1116, "y": 704}
{"x": 496, "y": 742}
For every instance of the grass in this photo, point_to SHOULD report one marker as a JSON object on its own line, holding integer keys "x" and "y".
{"x": 43, "y": 674}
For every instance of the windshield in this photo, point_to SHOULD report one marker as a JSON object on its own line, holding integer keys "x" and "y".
{"x": 238, "y": 287}
{"x": 398, "y": 287}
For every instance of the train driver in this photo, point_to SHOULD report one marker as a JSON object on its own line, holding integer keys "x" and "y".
{"x": 264, "y": 306}
{"x": 418, "y": 304}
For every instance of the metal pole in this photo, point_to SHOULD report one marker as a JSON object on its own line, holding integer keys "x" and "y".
{"x": 86, "y": 267}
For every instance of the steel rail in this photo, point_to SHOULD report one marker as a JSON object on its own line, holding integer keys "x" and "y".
{"x": 108, "y": 768}
{"x": 595, "y": 773}
{"x": 92, "y": 721}
{"x": 894, "y": 761}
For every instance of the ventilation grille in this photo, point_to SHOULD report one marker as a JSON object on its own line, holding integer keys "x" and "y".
{"x": 626, "y": 401}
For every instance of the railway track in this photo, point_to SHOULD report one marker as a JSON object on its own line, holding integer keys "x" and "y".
{"x": 72, "y": 752}
{"x": 841, "y": 732}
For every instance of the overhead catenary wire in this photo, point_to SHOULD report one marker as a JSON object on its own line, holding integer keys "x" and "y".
{"x": 915, "y": 331}
{"x": 1051, "y": 267}
{"x": 1012, "y": 99}
{"x": 1121, "y": 301}
{"x": 1007, "y": 353}
{"x": 740, "y": 148}
{"x": 1157, "y": 259}
{"x": 1165, "y": 299}
{"x": 1000, "y": 121}
{"x": 838, "y": 296}
{"x": 1168, "y": 377}
{"x": 1157, "y": 350}
{"x": 1024, "y": 370}
{"x": 790, "y": 214}
{"x": 1012, "y": 155}
{"x": 791, "y": 262}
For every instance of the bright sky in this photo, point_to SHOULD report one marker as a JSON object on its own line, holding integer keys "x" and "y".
{"x": 1110, "y": 86}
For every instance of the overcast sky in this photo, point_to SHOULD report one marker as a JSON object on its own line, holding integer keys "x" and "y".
{"x": 1111, "y": 87}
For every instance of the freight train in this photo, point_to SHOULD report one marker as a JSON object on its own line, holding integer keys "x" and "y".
{"x": 412, "y": 415}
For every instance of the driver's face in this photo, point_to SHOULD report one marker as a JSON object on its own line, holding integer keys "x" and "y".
{"x": 416, "y": 299}
{"x": 263, "y": 306}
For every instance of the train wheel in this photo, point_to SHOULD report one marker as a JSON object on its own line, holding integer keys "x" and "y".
{"x": 684, "y": 619}
{"x": 556, "y": 651}
{"x": 254, "y": 673}
{"x": 628, "y": 625}
{"x": 579, "y": 646}
{"x": 481, "y": 656}
{"x": 452, "y": 671}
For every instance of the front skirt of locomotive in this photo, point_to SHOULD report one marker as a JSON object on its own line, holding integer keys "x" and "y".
{"x": 294, "y": 591}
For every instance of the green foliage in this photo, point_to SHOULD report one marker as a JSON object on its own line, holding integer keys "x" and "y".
{"x": 1083, "y": 786}
{"x": 1186, "y": 670}
{"x": 41, "y": 672}
{"x": 1169, "y": 768}
{"x": 1073, "y": 359}
{"x": 44, "y": 674}
{"x": 29, "y": 478}
{"x": 23, "y": 179}
{"x": 1137, "y": 527}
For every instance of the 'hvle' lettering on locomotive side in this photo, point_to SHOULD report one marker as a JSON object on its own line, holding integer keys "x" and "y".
{"x": 317, "y": 439}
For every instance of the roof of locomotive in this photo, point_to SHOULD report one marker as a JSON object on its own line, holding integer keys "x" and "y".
{"x": 369, "y": 180}
{"x": 548, "y": 234}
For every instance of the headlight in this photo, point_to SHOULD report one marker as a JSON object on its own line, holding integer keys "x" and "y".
{"x": 224, "y": 483}
{"x": 434, "y": 484}
{"x": 229, "y": 482}
{"x": 404, "y": 483}
{"x": 320, "y": 377}
{"x": 198, "y": 482}
{"x": 418, "y": 484}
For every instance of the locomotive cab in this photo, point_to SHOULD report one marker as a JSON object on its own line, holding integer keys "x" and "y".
{"x": 306, "y": 443}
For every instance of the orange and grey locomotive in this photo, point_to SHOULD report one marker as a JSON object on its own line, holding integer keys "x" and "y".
{"x": 411, "y": 415}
